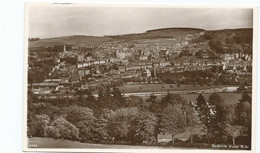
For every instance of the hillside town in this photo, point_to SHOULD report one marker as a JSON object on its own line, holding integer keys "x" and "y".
{"x": 150, "y": 61}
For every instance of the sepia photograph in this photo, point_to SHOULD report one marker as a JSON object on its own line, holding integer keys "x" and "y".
{"x": 144, "y": 77}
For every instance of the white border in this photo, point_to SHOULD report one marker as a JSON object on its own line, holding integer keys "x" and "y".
{"x": 25, "y": 148}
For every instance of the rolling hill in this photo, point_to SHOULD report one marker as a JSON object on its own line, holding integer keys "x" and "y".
{"x": 237, "y": 35}
{"x": 81, "y": 39}
{"x": 159, "y": 33}
{"x": 75, "y": 39}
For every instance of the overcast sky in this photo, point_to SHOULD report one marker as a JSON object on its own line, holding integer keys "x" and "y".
{"x": 54, "y": 21}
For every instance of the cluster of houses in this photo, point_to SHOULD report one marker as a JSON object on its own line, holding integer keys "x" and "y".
{"x": 144, "y": 59}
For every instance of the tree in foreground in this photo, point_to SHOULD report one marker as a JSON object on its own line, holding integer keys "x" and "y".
{"x": 243, "y": 113}
{"x": 100, "y": 130}
{"x": 172, "y": 99}
{"x": 213, "y": 116}
{"x": 171, "y": 121}
{"x": 120, "y": 123}
{"x": 83, "y": 119}
{"x": 39, "y": 126}
{"x": 233, "y": 131}
{"x": 246, "y": 98}
{"x": 200, "y": 101}
{"x": 154, "y": 105}
{"x": 63, "y": 129}
{"x": 216, "y": 100}
{"x": 144, "y": 127}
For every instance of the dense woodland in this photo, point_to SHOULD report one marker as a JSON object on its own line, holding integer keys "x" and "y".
{"x": 230, "y": 41}
{"x": 112, "y": 118}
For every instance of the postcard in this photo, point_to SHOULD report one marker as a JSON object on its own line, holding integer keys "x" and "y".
{"x": 134, "y": 78}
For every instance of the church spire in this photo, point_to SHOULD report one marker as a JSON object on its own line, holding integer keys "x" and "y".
{"x": 64, "y": 48}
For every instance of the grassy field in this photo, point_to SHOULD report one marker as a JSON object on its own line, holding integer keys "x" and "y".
{"x": 68, "y": 144}
{"x": 229, "y": 98}
{"x": 163, "y": 87}
{"x": 59, "y": 143}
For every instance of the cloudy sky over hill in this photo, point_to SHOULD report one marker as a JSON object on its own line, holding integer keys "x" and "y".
{"x": 56, "y": 20}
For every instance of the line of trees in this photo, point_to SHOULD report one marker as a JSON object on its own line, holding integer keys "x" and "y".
{"x": 113, "y": 118}
{"x": 33, "y": 39}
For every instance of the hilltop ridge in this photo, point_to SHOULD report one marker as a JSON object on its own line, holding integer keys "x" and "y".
{"x": 149, "y": 34}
